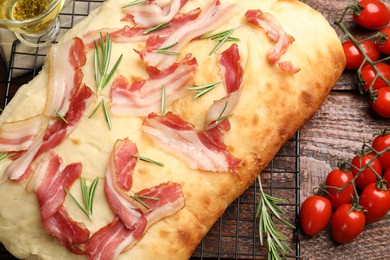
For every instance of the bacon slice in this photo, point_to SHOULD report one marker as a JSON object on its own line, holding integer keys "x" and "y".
{"x": 67, "y": 231}
{"x": 232, "y": 73}
{"x": 214, "y": 15}
{"x": 137, "y": 34}
{"x": 19, "y": 135}
{"x": 109, "y": 241}
{"x": 144, "y": 97}
{"x": 57, "y": 130}
{"x": 276, "y": 32}
{"x": 198, "y": 149}
{"x": 115, "y": 238}
{"x": 153, "y": 12}
{"x": 64, "y": 74}
{"x": 119, "y": 174}
{"x": 50, "y": 183}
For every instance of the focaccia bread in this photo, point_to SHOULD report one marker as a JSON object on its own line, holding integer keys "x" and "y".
{"x": 168, "y": 164}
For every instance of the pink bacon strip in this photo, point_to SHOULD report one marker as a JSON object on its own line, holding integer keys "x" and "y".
{"x": 131, "y": 223}
{"x": 276, "y": 32}
{"x": 232, "y": 73}
{"x": 144, "y": 97}
{"x": 137, "y": 34}
{"x": 119, "y": 174}
{"x": 50, "y": 185}
{"x": 213, "y": 16}
{"x": 198, "y": 149}
{"x": 56, "y": 132}
{"x": 153, "y": 12}
{"x": 67, "y": 231}
{"x": 19, "y": 135}
{"x": 115, "y": 238}
{"x": 64, "y": 74}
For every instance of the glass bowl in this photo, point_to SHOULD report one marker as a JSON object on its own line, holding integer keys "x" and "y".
{"x": 35, "y": 22}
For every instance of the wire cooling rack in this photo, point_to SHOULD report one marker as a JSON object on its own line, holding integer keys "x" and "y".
{"x": 235, "y": 235}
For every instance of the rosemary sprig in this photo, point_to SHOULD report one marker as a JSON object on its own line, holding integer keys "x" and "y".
{"x": 157, "y": 27}
{"x": 87, "y": 194}
{"x": 60, "y": 116}
{"x": 102, "y": 59}
{"x": 136, "y": 2}
{"x": 266, "y": 210}
{"x": 203, "y": 89}
{"x": 162, "y": 107}
{"x": 221, "y": 37}
{"x": 148, "y": 160}
{"x": 165, "y": 50}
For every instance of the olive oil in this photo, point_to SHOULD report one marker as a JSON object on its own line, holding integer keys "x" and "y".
{"x": 29, "y": 16}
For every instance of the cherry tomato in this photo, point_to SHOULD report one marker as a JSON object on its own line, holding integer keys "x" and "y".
{"x": 368, "y": 74}
{"x": 338, "y": 178}
{"x": 385, "y": 46}
{"x": 380, "y": 143}
{"x": 367, "y": 176}
{"x": 386, "y": 176}
{"x": 374, "y": 15}
{"x": 355, "y": 57}
{"x": 381, "y": 102}
{"x": 376, "y": 202}
{"x": 347, "y": 223}
{"x": 315, "y": 214}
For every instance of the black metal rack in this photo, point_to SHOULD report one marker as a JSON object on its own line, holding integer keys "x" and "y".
{"x": 235, "y": 235}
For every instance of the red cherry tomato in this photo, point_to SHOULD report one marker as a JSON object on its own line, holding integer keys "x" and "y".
{"x": 368, "y": 74}
{"x": 315, "y": 214}
{"x": 381, "y": 102}
{"x": 386, "y": 176}
{"x": 380, "y": 143}
{"x": 376, "y": 202}
{"x": 347, "y": 223}
{"x": 368, "y": 175}
{"x": 355, "y": 57}
{"x": 375, "y": 14}
{"x": 385, "y": 46}
{"x": 338, "y": 178}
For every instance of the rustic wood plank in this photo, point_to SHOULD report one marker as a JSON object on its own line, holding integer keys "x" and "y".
{"x": 337, "y": 130}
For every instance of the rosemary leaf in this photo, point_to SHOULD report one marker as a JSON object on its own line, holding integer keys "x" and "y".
{"x": 157, "y": 27}
{"x": 139, "y": 200}
{"x": 77, "y": 203}
{"x": 162, "y": 108}
{"x": 95, "y": 109}
{"x": 60, "y": 116}
{"x": 148, "y": 160}
{"x": 148, "y": 197}
{"x": 165, "y": 50}
{"x": 136, "y": 2}
{"x": 203, "y": 89}
{"x": 4, "y": 155}
{"x": 221, "y": 41}
{"x": 106, "y": 114}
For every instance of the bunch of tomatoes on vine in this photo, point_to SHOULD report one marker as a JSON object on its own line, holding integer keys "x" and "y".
{"x": 357, "y": 193}
{"x": 370, "y": 56}
{"x": 354, "y": 195}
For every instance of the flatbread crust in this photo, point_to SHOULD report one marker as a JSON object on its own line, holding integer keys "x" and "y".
{"x": 273, "y": 106}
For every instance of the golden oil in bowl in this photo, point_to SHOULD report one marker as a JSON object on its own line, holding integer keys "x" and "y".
{"x": 29, "y": 16}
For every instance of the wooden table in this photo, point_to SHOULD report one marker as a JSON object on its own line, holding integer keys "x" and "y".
{"x": 339, "y": 128}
